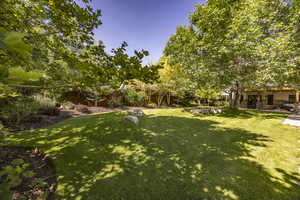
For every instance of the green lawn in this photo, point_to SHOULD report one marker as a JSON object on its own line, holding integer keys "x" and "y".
{"x": 172, "y": 155}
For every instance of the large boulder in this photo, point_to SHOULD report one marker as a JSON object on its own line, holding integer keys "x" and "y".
{"x": 133, "y": 119}
{"x": 68, "y": 106}
{"x": 206, "y": 111}
{"x": 196, "y": 111}
{"x": 216, "y": 111}
{"x": 138, "y": 112}
{"x": 83, "y": 109}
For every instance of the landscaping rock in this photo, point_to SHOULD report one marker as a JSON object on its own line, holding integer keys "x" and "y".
{"x": 68, "y": 106}
{"x": 196, "y": 111}
{"x": 82, "y": 109}
{"x": 206, "y": 111}
{"x": 214, "y": 111}
{"x": 138, "y": 112}
{"x": 132, "y": 119}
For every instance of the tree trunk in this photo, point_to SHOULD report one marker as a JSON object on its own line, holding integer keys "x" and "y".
{"x": 199, "y": 102}
{"x": 160, "y": 98}
{"x": 169, "y": 98}
{"x": 149, "y": 94}
{"x": 234, "y": 97}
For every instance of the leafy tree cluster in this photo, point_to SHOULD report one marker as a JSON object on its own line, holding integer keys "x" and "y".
{"x": 55, "y": 39}
{"x": 232, "y": 45}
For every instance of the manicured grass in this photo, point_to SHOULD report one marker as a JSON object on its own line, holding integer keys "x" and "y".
{"x": 172, "y": 155}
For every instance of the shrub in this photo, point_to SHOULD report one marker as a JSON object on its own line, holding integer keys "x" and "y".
{"x": 112, "y": 103}
{"x": 152, "y": 105}
{"x": 18, "y": 109}
{"x": 3, "y": 132}
{"x": 129, "y": 97}
{"x": 141, "y": 98}
{"x": 134, "y": 98}
{"x": 44, "y": 102}
{"x": 221, "y": 104}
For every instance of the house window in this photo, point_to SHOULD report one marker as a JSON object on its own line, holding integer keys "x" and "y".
{"x": 270, "y": 99}
{"x": 292, "y": 98}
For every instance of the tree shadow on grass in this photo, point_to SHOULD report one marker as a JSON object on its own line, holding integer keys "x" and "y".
{"x": 164, "y": 157}
{"x": 243, "y": 114}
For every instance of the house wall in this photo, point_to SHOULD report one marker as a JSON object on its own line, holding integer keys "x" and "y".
{"x": 280, "y": 97}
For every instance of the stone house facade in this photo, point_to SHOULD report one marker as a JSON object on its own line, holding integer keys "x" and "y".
{"x": 269, "y": 98}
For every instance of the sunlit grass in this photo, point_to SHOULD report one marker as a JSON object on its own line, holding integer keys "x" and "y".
{"x": 172, "y": 154}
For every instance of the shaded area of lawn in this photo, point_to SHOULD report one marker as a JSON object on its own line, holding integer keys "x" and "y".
{"x": 169, "y": 155}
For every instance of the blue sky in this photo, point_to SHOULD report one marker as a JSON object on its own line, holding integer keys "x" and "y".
{"x": 143, "y": 24}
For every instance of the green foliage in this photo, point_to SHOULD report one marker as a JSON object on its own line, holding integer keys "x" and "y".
{"x": 207, "y": 93}
{"x": 141, "y": 98}
{"x": 50, "y": 43}
{"x": 4, "y": 72}
{"x": 44, "y": 101}
{"x": 152, "y": 105}
{"x": 7, "y": 92}
{"x": 19, "y": 108}
{"x": 39, "y": 183}
{"x": 3, "y": 131}
{"x": 17, "y": 75}
{"x": 111, "y": 103}
{"x": 135, "y": 98}
{"x": 173, "y": 79}
{"x": 14, "y": 175}
{"x": 13, "y": 41}
{"x": 220, "y": 103}
{"x": 239, "y": 44}
{"x": 172, "y": 86}
{"x": 98, "y": 69}
{"x": 12, "y": 47}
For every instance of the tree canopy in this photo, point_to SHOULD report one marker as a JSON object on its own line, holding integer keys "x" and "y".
{"x": 56, "y": 38}
{"x": 237, "y": 44}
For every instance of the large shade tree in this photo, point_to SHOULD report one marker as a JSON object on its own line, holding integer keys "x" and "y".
{"x": 56, "y": 37}
{"x": 235, "y": 44}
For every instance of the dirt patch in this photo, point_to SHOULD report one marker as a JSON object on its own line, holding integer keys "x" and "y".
{"x": 43, "y": 183}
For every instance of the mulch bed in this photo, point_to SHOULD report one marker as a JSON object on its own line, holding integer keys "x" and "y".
{"x": 39, "y": 164}
{"x": 45, "y": 121}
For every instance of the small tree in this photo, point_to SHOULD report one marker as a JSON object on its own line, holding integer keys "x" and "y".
{"x": 207, "y": 93}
